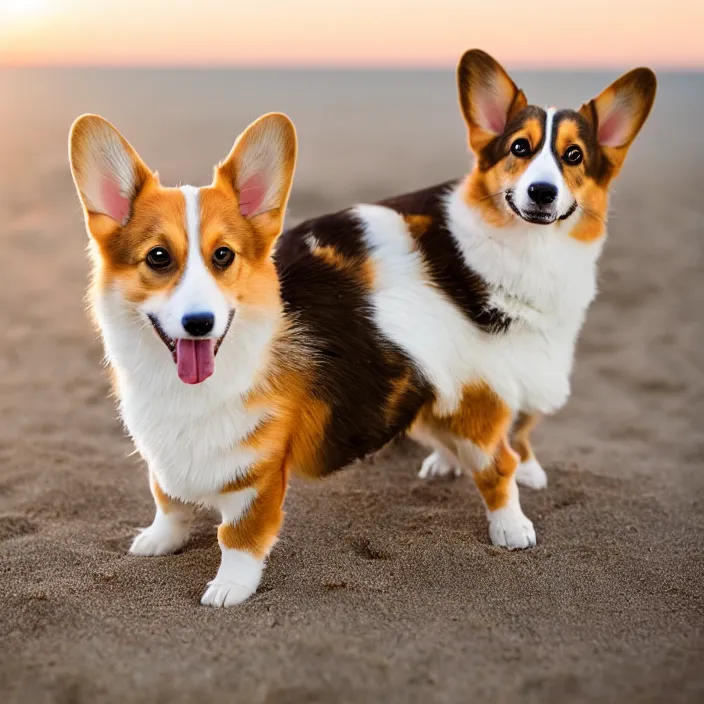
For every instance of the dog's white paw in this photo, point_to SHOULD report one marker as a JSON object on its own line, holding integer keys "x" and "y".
{"x": 164, "y": 536}
{"x": 531, "y": 474}
{"x": 237, "y": 579}
{"x": 510, "y": 528}
{"x": 219, "y": 594}
{"x": 437, "y": 465}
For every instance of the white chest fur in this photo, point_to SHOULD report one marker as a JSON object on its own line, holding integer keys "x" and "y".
{"x": 541, "y": 277}
{"x": 544, "y": 280}
{"x": 190, "y": 436}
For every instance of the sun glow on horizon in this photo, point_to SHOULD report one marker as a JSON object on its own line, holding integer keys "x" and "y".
{"x": 22, "y": 7}
{"x": 21, "y": 19}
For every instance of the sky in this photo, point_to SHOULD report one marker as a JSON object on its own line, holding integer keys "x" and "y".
{"x": 332, "y": 33}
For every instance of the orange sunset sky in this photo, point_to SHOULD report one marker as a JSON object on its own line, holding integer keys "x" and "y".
{"x": 597, "y": 33}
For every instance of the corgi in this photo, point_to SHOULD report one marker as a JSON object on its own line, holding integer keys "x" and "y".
{"x": 240, "y": 354}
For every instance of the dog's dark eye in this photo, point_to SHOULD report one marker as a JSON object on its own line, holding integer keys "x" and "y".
{"x": 521, "y": 147}
{"x": 223, "y": 257}
{"x": 159, "y": 258}
{"x": 573, "y": 155}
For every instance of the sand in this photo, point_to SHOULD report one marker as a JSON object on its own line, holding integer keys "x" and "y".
{"x": 383, "y": 588}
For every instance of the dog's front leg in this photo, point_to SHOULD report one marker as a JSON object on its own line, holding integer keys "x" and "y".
{"x": 251, "y": 519}
{"x": 169, "y": 529}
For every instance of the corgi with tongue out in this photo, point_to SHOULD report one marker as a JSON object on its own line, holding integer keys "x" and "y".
{"x": 187, "y": 297}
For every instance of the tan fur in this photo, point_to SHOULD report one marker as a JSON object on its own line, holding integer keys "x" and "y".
{"x": 522, "y": 428}
{"x": 418, "y": 224}
{"x": 165, "y": 502}
{"x": 495, "y": 481}
{"x": 484, "y": 191}
{"x": 485, "y": 188}
{"x": 251, "y": 279}
{"x": 481, "y": 417}
{"x": 267, "y": 225}
{"x": 299, "y": 419}
{"x": 591, "y": 194}
{"x": 291, "y": 437}
{"x": 256, "y": 531}
{"x": 401, "y": 386}
{"x": 359, "y": 268}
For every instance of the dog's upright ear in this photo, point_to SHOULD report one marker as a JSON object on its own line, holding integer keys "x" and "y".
{"x": 107, "y": 172}
{"x": 618, "y": 113}
{"x": 488, "y": 97}
{"x": 259, "y": 170}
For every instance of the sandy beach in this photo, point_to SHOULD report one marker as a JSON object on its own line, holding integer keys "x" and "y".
{"x": 383, "y": 587}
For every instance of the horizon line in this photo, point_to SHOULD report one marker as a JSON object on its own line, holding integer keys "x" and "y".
{"x": 667, "y": 67}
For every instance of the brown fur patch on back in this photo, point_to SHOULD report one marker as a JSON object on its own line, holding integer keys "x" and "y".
{"x": 358, "y": 267}
{"x": 361, "y": 389}
{"x": 331, "y": 256}
{"x": 399, "y": 388}
{"x": 418, "y": 224}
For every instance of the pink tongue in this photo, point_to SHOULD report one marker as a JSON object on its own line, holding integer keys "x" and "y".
{"x": 195, "y": 360}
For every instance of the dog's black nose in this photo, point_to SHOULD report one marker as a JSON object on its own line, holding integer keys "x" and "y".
{"x": 542, "y": 193}
{"x": 198, "y": 324}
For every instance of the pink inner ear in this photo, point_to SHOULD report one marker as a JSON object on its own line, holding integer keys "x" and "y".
{"x": 116, "y": 205}
{"x": 613, "y": 129}
{"x": 496, "y": 120}
{"x": 252, "y": 193}
{"x": 491, "y": 113}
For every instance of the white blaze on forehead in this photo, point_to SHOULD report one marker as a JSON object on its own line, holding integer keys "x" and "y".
{"x": 197, "y": 292}
{"x": 195, "y": 272}
{"x": 544, "y": 168}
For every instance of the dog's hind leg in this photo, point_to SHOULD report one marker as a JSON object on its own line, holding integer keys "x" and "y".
{"x": 441, "y": 462}
{"x": 529, "y": 472}
{"x": 495, "y": 478}
{"x": 476, "y": 432}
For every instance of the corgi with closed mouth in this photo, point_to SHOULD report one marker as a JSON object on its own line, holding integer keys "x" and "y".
{"x": 240, "y": 355}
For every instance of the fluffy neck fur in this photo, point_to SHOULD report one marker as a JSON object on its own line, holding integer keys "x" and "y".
{"x": 538, "y": 273}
